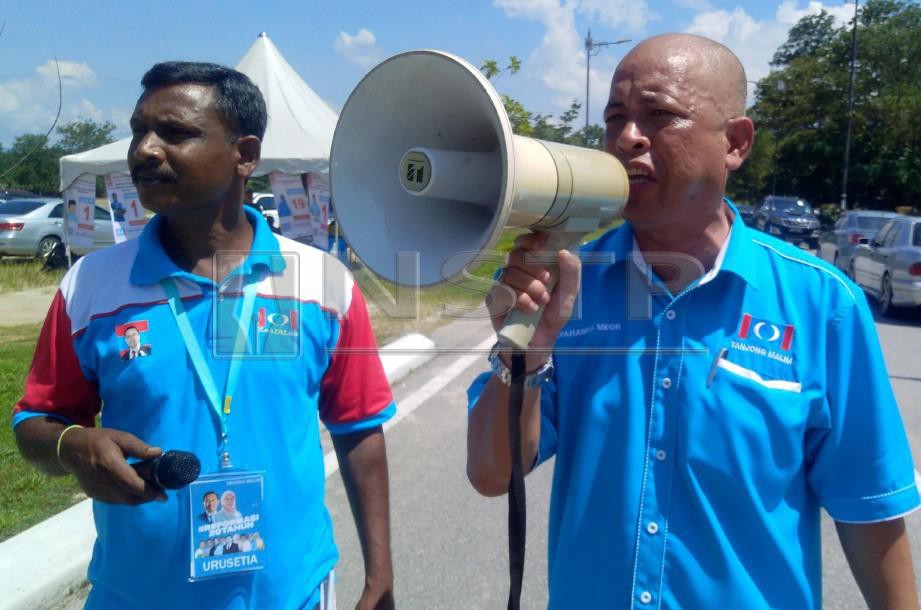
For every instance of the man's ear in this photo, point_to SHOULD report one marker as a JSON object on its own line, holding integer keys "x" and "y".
{"x": 740, "y": 136}
{"x": 250, "y": 150}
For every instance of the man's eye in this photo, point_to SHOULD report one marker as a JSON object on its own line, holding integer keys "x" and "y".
{"x": 661, "y": 112}
{"x": 613, "y": 118}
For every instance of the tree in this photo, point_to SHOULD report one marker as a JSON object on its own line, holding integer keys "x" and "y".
{"x": 84, "y": 134}
{"x": 542, "y": 126}
{"x": 806, "y": 38}
{"x": 39, "y": 172}
{"x": 801, "y": 111}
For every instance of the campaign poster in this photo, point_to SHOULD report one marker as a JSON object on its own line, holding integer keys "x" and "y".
{"x": 79, "y": 213}
{"x": 128, "y": 217}
{"x": 227, "y": 530}
{"x": 318, "y": 203}
{"x": 291, "y": 202}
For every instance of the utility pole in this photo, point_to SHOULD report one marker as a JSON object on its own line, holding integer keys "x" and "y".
{"x": 850, "y": 111}
{"x": 590, "y": 49}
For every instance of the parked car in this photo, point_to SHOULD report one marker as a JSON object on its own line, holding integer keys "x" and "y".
{"x": 10, "y": 194}
{"x": 888, "y": 265}
{"x": 747, "y": 213}
{"x": 837, "y": 245}
{"x": 33, "y": 227}
{"x": 265, "y": 203}
{"x": 789, "y": 218}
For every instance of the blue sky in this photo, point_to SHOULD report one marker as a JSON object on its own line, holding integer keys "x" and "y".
{"x": 104, "y": 46}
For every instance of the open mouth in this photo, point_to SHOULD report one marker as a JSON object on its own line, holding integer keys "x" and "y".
{"x": 637, "y": 175}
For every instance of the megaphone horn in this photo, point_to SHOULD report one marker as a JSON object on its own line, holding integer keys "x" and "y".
{"x": 424, "y": 160}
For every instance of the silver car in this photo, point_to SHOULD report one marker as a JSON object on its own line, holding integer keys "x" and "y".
{"x": 33, "y": 227}
{"x": 888, "y": 266}
{"x": 838, "y": 244}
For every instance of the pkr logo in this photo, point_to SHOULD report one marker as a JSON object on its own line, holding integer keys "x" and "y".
{"x": 766, "y": 331}
{"x": 277, "y": 323}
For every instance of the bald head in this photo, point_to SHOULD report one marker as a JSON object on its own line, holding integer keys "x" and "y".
{"x": 699, "y": 63}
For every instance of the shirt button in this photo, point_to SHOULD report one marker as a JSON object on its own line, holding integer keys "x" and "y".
{"x": 652, "y": 528}
{"x": 667, "y": 383}
{"x": 660, "y": 455}
{"x": 645, "y": 597}
{"x": 670, "y": 314}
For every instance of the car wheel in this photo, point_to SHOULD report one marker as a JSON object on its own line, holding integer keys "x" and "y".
{"x": 834, "y": 261}
{"x": 886, "y": 308}
{"x": 851, "y": 274}
{"x": 46, "y": 245}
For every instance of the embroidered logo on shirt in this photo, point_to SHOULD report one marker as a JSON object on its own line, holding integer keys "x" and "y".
{"x": 766, "y": 332}
{"x": 276, "y": 323}
{"x": 132, "y": 333}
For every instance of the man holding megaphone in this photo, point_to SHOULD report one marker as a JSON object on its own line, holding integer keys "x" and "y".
{"x": 710, "y": 387}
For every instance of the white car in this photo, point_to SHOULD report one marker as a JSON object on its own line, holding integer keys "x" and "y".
{"x": 265, "y": 203}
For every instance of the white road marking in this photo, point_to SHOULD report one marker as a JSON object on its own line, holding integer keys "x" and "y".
{"x": 417, "y": 398}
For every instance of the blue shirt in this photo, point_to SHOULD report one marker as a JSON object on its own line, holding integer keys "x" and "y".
{"x": 311, "y": 351}
{"x": 697, "y": 435}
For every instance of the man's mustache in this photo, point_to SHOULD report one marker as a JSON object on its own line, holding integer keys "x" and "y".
{"x": 145, "y": 174}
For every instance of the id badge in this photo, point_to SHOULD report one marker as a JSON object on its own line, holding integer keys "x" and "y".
{"x": 226, "y": 524}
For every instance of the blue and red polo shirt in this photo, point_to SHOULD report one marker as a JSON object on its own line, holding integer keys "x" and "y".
{"x": 698, "y": 433}
{"x": 311, "y": 351}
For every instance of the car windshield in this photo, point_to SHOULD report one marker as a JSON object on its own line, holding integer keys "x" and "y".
{"x": 267, "y": 203}
{"x": 916, "y": 235}
{"x": 871, "y": 223}
{"x": 798, "y": 207}
{"x": 20, "y": 206}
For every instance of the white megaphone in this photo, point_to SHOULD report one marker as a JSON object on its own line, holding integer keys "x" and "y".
{"x": 424, "y": 161}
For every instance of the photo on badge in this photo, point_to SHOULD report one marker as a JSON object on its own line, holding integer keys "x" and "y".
{"x": 226, "y": 524}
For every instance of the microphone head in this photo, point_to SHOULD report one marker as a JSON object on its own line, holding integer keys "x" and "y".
{"x": 176, "y": 469}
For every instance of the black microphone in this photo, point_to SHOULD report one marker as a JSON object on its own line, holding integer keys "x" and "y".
{"x": 169, "y": 470}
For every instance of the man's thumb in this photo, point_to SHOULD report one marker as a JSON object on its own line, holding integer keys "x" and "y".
{"x": 132, "y": 446}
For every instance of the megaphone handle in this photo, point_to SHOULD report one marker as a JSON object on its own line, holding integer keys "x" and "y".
{"x": 518, "y": 328}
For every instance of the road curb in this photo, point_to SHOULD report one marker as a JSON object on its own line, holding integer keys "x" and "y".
{"x": 48, "y": 561}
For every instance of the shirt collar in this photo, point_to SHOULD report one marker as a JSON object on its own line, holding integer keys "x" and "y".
{"x": 152, "y": 264}
{"x": 736, "y": 255}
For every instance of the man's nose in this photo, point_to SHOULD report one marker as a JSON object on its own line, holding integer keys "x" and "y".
{"x": 148, "y": 149}
{"x": 631, "y": 139}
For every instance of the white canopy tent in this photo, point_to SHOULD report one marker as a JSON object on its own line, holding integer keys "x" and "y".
{"x": 297, "y": 140}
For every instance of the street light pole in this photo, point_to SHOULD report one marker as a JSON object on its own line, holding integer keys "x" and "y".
{"x": 850, "y": 111}
{"x": 590, "y": 49}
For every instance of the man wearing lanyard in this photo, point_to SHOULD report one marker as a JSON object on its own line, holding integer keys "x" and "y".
{"x": 252, "y": 336}
{"x": 716, "y": 389}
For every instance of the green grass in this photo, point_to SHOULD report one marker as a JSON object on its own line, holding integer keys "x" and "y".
{"x": 28, "y": 497}
{"x": 21, "y": 273}
{"x": 438, "y": 305}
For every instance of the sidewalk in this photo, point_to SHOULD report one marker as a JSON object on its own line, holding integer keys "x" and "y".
{"x": 25, "y": 307}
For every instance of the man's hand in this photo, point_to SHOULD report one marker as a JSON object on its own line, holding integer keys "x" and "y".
{"x": 96, "y": 457}
{"x": 373, "y": 598}
{"x": 363, "y": 466}
{"x": 527, "y": 285}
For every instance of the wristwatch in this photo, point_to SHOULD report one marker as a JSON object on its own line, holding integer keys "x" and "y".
{"x": 504, "y": 373}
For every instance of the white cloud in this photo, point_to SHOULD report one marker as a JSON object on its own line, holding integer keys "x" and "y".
{"x": 755, "y": 42}
{"x": 29, "y": 104}
{"x": 73, "y": 74}
{"x": 618, "y": 14}
{"x": 697, "y": 5}
{"x": 88, "y": 110}
{"x": 360, "y": 49}
{"x": 558, "y": 62}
